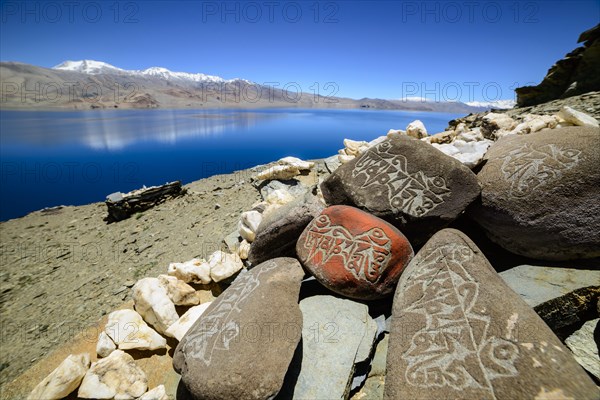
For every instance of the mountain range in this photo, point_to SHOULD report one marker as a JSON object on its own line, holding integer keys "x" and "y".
{"x": 94, "y": 84}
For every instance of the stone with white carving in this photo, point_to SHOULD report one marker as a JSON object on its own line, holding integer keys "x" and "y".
{"x": 407, "y": 182}
{"x": 458, "y": 331}
{"x": 540, "y": 194}
{"x": 114, "y": 377}
{"x": 255, "y": 320}
{"x": 354, "y": 253}
{"x": 63, "y": 380}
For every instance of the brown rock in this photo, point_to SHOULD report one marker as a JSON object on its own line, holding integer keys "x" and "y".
{"x": 354, "y": 253}
{"x": 458, "y": 331}
{"x": 540, "y": 194}
{"x": 279, "y": 231}
{"x": 256, "y": 321}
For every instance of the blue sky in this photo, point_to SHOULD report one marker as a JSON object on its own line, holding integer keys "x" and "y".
{"x": 443, "y": 50}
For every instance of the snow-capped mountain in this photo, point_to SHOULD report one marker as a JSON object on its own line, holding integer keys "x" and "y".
{"x": 92, "y": 67}
{"x": 499, "y": 104}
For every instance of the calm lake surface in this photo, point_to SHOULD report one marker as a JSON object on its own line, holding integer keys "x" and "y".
{"x": 72, "y": 158}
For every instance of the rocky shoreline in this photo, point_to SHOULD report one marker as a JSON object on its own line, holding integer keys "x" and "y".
{"x": 68, "y": 268}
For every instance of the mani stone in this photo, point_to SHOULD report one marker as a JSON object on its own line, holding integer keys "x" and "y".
{"x": 336, "y": 334}
{"x": 458, "y": 331}
{"x": 255, "y": 321}
{"x": 540, "y": 194}
{"x": 279, "y": 230}
{"x": 354, "y": 253}
{"x": 407, "y": 182}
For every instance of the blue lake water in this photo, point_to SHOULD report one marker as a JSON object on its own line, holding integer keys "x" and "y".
{"x": 72, "y": 158}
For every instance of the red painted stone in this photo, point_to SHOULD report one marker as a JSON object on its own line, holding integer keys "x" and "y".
{"x": 354, "y": 253}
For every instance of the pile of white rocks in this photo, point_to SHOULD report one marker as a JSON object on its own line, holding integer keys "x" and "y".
{"x": 146, "y": 327}
{"x": 285, "y": 168}
{"x": 469, "y": 145}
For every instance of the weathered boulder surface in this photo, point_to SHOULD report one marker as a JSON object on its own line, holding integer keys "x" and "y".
{"x": 407, "y": 182}
{"x": 354, "y": 253}
{"x": 540, "y": 194}
{"x": 458, "y": 331}
{"x": 279, "y": 230}
{"x": 256, "y": 320}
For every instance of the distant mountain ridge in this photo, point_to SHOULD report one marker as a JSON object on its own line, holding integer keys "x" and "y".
{"x": 93, "y": 67}
{"x": 89, "y": 84}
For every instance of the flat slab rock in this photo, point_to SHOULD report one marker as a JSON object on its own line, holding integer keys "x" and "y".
{"x": 242, "y": 345}
{"x": 407, "y": 182}
{"x": 537, "y": 284}
{"x": 458, "y": 331}
{"x": 336, "y": 334}
{"x": 540, "y": 194}
{"x": 354, "y": 253}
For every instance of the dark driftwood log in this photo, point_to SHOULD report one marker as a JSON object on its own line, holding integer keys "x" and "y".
{"x": 122, "y": 206}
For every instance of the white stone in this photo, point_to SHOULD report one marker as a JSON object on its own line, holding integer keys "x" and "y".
{"x": 376, "y": 141}
{"x": 502, "y": 124}
{"x": 354, "y": 147}
{"x": 128, "y": 331}
{"x": 470, "y": 136}
{"x": 114, "y": 377}
{"x": 194, "y": 270}
{"x": 251, "y": 219}
{"x": 281, "y": 172}
{"x": 279, "y": 197}
{"x": 248, "y": 225}
{"x": 461, "y": 128}
{"x": 395, "y": 132}
{"x": 577, "y": 117}
{"x": 246, "y": 233}
{"x": 223, "y": 265}
{"x": 446, "y": 148}
{"x": 469, "y": 153}
{"x": 416, "y": 129}
{"x": 105, "y": 345}
{"x": 154, "y": 305}
{"x": 158, "y": 393}
{"x": 584, "y": 347}
{"x": 180, "y": 293}
{"x": 63, "y": 380}
{"x": 344, "y": 159}
{"x": 296, "y": 162}
{"x": 243, "y": 250}
{"x": 183, "y": 324}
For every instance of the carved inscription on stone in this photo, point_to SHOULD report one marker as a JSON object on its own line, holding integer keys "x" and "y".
{"x": 365, "y": 255}
{"x": 455, "y": 347}
{"x": 529, "y": 167}
{"x": 415, "y": 194}
{"x": 220, "y": 328}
